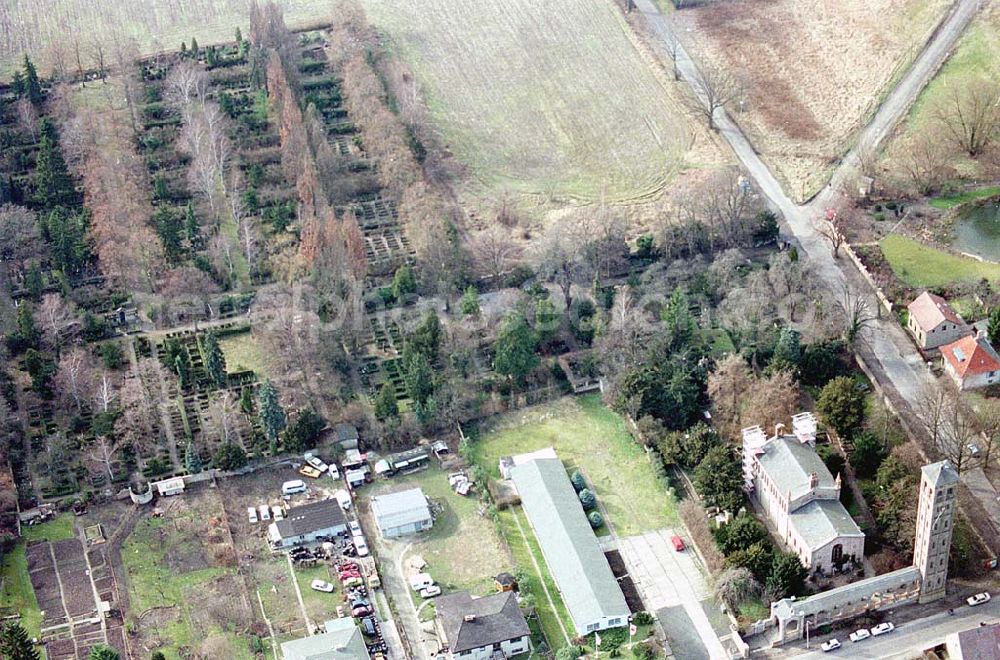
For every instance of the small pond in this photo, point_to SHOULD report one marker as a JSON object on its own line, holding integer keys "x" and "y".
{"x": 977, "y": 231}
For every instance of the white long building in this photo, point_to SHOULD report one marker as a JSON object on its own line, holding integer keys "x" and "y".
{"x": 571, "y": 551}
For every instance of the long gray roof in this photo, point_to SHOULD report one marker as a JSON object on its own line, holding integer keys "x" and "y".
{"x": 821, "y": 521}
{"x": 833, "y": 599}
{"x": 495, "y": 619}
{"x": 401, "y": 508}
{"x": 571, "y": 551}
{"x": 789, "y": 463}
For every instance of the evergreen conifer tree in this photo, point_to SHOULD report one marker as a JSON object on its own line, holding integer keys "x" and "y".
{"x": 15, "y": 643}
{"x": 53, "y": 185}
{"x": 272, "y": 415}
{"x": 215, "y": 363}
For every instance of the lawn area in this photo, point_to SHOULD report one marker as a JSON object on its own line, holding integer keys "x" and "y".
{"x": 591, "y": 437}
{"x": 920, "y": 265}
{"x": 951, "y": 201}
{"x": 243, "y": 353}
{"x": 319, "y": 605}
{"x": 462, "y": 549}
{"x": 16, "y": 592}
{"x": 59, "y": 528}
{"x": 524, "y": 547}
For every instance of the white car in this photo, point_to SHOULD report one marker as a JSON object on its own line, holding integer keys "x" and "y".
{"x": 978, "y": 599}
{"x": 361, "y": 546}
{"x": 264, "y": 511}
{"x": 430, "y": 592}
{"x": 278, "y": 513}
{"x": 830, "y": 645}
{"x": 252, "y": 514}
{"x": 334, "y": 472}
{"x": 355, "y": 528}
{"x": 315, "y": 461}
{"x": 883, "y": 628}
{"x": 321, "y": 585}
{"x": 859, "y": 635}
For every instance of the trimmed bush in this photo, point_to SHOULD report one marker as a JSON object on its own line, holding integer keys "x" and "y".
{"x": 596, "y": 519}
{"x": 587, "y": 499}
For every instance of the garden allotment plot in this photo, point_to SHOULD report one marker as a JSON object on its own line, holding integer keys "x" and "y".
{"x": 542, "y": 97}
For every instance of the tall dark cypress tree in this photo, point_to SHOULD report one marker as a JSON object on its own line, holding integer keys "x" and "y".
{"x": 32, "y": 88}
{"x": 53, "y": 184}
{"x": 215, "y": 363}
{"x": 272, "y": 415}
{"x": 15, "y": 643}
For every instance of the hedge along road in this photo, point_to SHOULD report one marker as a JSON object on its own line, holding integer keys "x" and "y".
{"x": 900, "y": 367}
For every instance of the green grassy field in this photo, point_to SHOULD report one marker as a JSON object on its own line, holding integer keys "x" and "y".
{"x": 59, "y": 528}
{"x": 951, "y": 201}
{"x": 587, "y": 435}
{"x": 50, "y": 31}
{"x": 243, "y": 352}
{"x": 462, "y": 549}
{"x": 543, "y": 98}
{"x": 922, "y": 266}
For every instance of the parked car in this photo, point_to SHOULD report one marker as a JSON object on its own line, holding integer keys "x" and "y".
{"x": 278, "y": 513}
{"x": 830, "y": 645}
{"x": 360, "y": 546}
{"x": 978, "y": 599}
{"x": 353, "y": 582}
{"x": 678, "y": 543}
{"x": 334, "y": 472}
{"x": 252, "y": 514}
{"x": 421, "y": 581}
{"x": 293, "y": 487}
{"x": 430, "y": 592}
{"x": 859, "y": 635}
{"x": 264, "y": 511}
{"x": 369, "y": 626}
{"x": 309, "y": 471}
{"x": 883, "y": 628}
{"x": 322, "y": 585}
{"x": 355, "y": 528}
{"x": 315, "y": 461}
{"x": 360, "y": 611}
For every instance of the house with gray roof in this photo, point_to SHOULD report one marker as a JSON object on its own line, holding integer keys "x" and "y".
{"x": 341, "y": 641}
{"x": 401, "y": 513}
{"x": 476, "y": 628}
{"x": 571, "y": 551}
{"x": 801, "y": 499}
{"x": 307, "y": 523}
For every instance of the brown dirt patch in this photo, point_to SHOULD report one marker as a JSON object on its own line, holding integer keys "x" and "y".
{"x": 813, "y": 69}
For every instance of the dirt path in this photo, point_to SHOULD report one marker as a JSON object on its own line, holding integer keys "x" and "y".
{"x": 267, "y": 622}
{"x": 898, "y": 369}
{"x": 541, "y": 580}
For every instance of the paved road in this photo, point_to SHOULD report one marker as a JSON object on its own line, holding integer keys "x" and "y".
{"x": 673, "y": 585}
{"x": 902, "y": 366}
{"x": 908, "y": 640}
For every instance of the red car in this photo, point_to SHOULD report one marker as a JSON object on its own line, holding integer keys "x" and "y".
{"x": 678, "y": 543}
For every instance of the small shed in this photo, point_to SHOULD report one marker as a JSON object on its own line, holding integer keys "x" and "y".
{"x": 168, "y": 487}
{"x": 347, "y": 436}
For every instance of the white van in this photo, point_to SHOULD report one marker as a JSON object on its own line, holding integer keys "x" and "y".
{"x": 293, "y": 487}
{"x": 361, "y": 546}
{"x": 251, "y": 514}
{"x": 421, "y": 581}
{"x": 278, "y": 513}
{"x": 334, "y": 472}
{"x": 344, "y": 498}
{"x": 265, "y": 512}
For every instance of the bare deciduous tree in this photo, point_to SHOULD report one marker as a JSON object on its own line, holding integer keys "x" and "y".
{"x": 560, "y": 254}
{"x": 715, "y": 88}
{"x": 495, "y": 253}
{"x": 73, "y": 377}
{"x": 926, "y": 161}
{"x": 58, "y": 319}
{"x": 969, "y": 112}
{"x": 859, "y": 316}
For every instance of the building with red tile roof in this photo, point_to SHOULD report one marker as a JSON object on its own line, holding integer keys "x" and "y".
{"x": 932, "y": 322}
{"x": 971, "y": 362}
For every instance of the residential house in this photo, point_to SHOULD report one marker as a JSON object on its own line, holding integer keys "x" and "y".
{"x": 569, "y": 546}
{"x": 974, "y": 643}
{"x": 481, "y": 628}
{"x": 341, "y": 641}
{"x": 971, "y": 362}
{"x": 403, "y": 512}
{"x": 932, "y": 322}
{"x": 800, "y": 498}
{"x": 307, "y": 523}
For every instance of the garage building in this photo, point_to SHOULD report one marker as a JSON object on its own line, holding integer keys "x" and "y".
{"x": 306, "y": 523}
{"x": 402, "y": 513}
